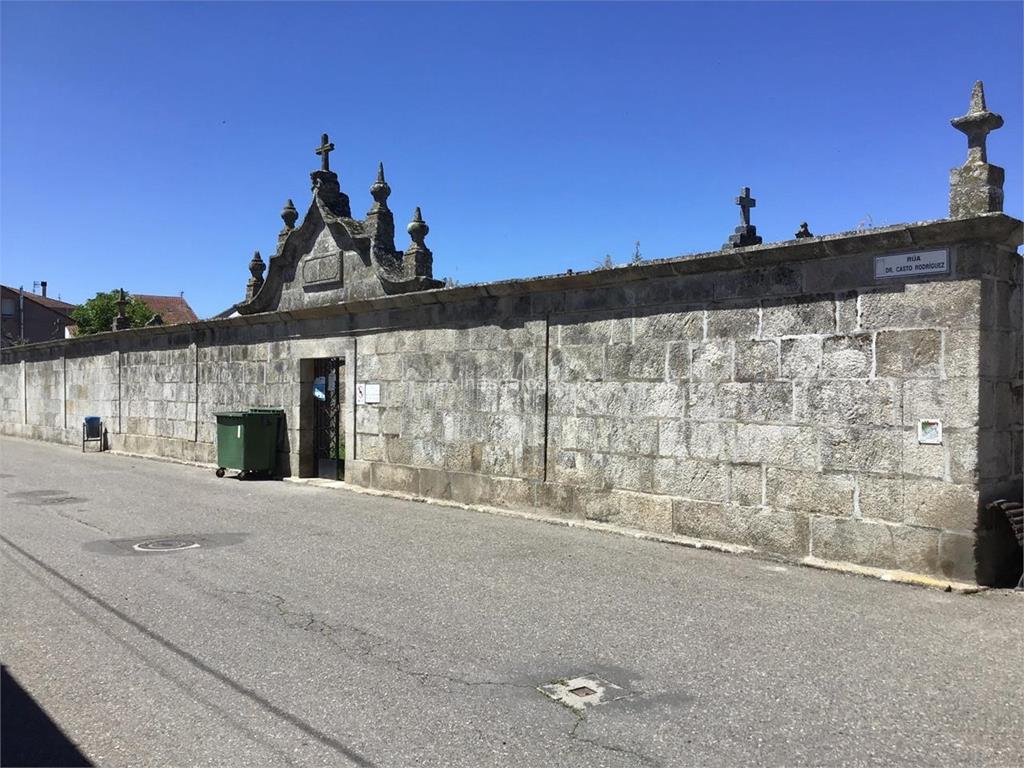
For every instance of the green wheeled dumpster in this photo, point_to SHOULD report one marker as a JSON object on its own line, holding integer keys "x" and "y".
{"x": 247, "y": 440}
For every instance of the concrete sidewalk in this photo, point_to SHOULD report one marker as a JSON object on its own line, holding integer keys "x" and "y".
{"x": 317, "y": 626}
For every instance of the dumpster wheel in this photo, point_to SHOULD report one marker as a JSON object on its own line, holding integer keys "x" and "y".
{"x": 220, "y": 471}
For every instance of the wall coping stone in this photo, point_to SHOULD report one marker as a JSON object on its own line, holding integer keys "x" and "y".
{"x": 993, "y": 227}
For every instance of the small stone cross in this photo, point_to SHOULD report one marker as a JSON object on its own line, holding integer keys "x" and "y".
{"x": 121, "y": 322}
{"x": 745, "y": 234}
{"x": 324, "y": 150}
{"x": 745, "y": 202}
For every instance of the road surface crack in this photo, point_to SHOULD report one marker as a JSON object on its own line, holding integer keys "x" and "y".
{"x": 425, "y": 676}
{"x": 574, "y": 735}
{"x": 78, "y": 520}
{"x": 368, "y": 646}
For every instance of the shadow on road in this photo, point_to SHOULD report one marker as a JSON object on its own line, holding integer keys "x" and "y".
{"x": 28, "y": 737}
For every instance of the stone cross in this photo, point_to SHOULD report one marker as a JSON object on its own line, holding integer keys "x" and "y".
{"x": 745, "y": 234}
{"x": 324, "y": 150}
{"x": 121, "y": 322}
{"x": 745, "y": 202}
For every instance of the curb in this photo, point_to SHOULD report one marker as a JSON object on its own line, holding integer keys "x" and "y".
{"x": 882, "y": 574}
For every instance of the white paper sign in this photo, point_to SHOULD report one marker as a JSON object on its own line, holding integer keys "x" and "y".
{"x": 912, "y": 264}
{"x": 367, "y": 394}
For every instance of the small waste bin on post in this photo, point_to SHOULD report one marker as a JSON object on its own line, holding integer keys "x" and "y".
{"x": 92, "y": 431}
{"x": 247, "y": 440}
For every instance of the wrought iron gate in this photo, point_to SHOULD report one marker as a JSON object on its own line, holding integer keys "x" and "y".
{"x": 328, "y": 438}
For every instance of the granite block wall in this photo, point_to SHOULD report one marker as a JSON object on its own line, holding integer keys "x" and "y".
{"x": 770, "y": 397}
{"x": 45, "y": 379}
{"x": 779, "y": 420}
{"x": 157, "y": 389}
{"x": 12, "y": 394}
{"x": 92, "y": 389}
{"x": 463, "y": 401}
{"x": 778, "y": 408}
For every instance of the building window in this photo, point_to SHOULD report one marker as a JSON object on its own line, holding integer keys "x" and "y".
{"x": 7, "y": 307}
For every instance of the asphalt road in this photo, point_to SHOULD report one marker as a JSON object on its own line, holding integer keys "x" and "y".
{"x": 323, "y": 627}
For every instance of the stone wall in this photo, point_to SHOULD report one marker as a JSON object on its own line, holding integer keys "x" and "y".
{"x": 12, "y": 394}
{"x": 92, "y": 389}
{"x": 768, "y": 396}
{"x": 461, "y": 400}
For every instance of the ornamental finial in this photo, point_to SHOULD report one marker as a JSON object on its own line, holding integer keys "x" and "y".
{"x": 418, "y": 261}
{"x": 289, "y": 215}
{"x": 380, "y": 190}
{"x": 418, "y": 229}
{"x": 256, "y": 267}
{"x": 977, "y": 124}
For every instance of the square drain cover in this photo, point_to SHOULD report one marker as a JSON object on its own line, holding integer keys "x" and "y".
{"x": 583, "y": 691}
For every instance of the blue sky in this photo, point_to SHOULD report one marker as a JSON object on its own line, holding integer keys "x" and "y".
{"x": 152, "y": 145}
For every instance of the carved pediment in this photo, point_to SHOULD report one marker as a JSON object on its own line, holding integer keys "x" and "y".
{"x": 331, "y": 257}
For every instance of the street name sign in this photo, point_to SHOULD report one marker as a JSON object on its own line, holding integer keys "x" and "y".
{"x": 912, "y": 264}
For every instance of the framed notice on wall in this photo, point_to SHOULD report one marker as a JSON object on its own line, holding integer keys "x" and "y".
{"x": 367, "y": 394}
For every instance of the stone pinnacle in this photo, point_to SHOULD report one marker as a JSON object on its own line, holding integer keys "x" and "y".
{"x": 418, "y": 229}
{"x": 977, "y": 124}
{"x": 380, "y": 190}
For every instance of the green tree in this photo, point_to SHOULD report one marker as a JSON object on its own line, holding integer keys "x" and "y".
{"x": 637, "y": 256}
{"x": 98, "y": 313}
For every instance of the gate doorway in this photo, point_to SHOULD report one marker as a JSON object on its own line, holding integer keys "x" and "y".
{"x": 327, "y": 400}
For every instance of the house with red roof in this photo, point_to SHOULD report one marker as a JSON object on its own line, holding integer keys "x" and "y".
{"x": 173, "y": 310}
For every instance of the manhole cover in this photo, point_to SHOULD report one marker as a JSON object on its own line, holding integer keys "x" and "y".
{"x": 168, "y": 543}
{"x": 165, "y": 545}
{"x": 584, "y": 691}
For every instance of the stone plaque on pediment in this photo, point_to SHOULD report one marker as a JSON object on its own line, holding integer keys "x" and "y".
{"x": 321, "y": 270}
